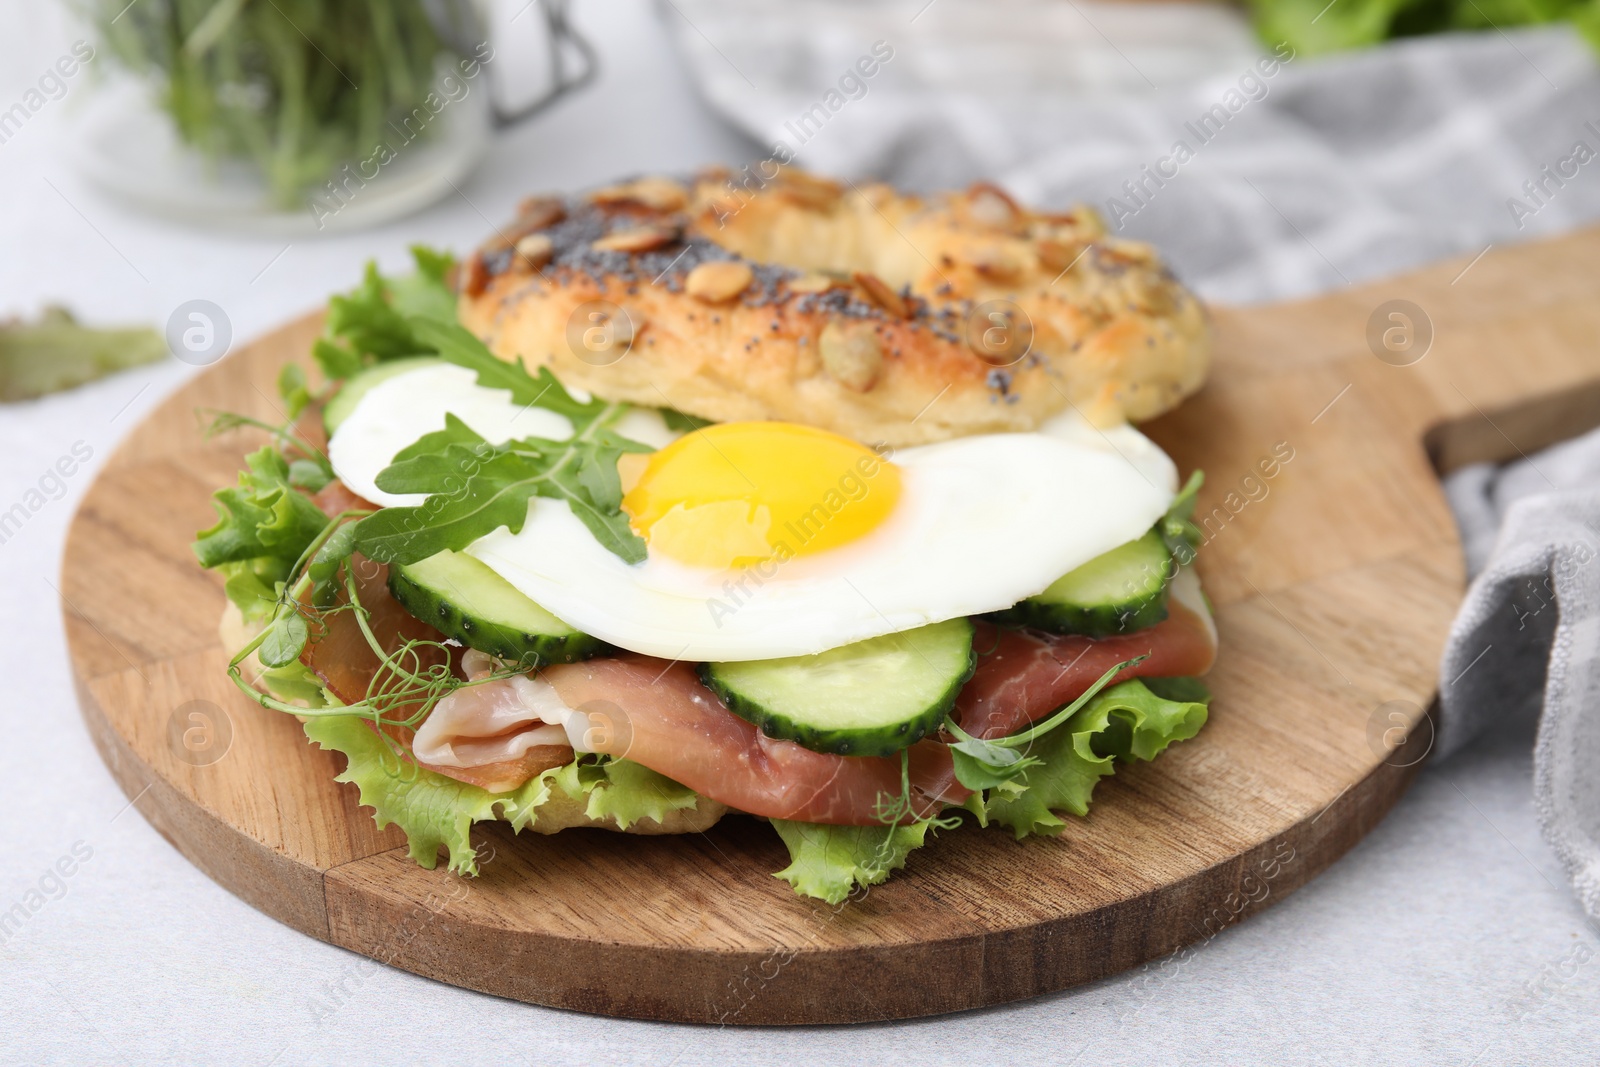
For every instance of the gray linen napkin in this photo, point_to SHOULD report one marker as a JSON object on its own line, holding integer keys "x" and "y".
{"x": 1325, "y": 172}
{"x": 1528, "y": 634}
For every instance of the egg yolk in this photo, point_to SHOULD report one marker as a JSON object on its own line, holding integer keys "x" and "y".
{"x": 740, "y": 493}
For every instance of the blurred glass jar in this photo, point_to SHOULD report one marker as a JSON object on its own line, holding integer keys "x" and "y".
{"x": 301, "y": 116}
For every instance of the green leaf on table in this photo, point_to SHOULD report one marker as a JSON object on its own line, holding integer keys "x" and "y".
{"x": 56, "y": 353}
{"x": 1312, "y": 27}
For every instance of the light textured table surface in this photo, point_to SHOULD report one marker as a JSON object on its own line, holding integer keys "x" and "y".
{"x": 1447, "y": 937}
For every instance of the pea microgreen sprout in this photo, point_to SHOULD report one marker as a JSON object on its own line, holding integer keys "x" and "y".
{"x": 988, "y": 764}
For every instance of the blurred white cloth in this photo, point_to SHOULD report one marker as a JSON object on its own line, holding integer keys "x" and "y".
{"x": 1324, "y": 172}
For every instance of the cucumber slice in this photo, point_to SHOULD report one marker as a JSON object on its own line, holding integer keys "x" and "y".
{"x": 466, "y": 600}
{"x": 872, "y": 698}
{"x": 1116, "y": 593}
{"x": 351, "y": 392}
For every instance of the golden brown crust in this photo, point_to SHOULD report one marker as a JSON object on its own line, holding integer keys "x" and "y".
{"x": 881, "y": 316}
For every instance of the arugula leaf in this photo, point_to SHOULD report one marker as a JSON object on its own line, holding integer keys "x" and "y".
{"x": 474, "y": 488}
{"x": 1178, "y": 530}
{"x": 336, "y": 361}
{"x": 369, "y": 326}
{"x": 455, "y": 432}
{"x": 831, "y": 861}
{"x": 430, "y": 462}
{"x": 682, "y": 422}
{"x": 460, "y": 346}
{"x": 495, "y": 494}
{"x": 1128, "y": 721}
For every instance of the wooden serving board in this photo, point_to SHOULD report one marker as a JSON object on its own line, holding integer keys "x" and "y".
{"x": 1334, "y": 580}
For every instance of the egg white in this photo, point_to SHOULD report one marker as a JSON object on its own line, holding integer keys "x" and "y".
{"x": 396, "y": 413}
{"x": 982, "y": 522}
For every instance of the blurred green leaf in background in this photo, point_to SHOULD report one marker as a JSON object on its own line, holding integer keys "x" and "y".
{"x": 298, "y": 87}
{"x": 1313, "y": 27}
{"x": 56, "y": 353}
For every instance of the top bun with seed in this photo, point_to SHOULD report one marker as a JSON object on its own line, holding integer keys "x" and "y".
{"x": 878, "y": 315}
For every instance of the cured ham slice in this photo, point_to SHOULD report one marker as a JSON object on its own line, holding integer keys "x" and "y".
{"x": 496, "y": 734}
{"x": 660, "y": 715}
{"x": 1023, "y": 676}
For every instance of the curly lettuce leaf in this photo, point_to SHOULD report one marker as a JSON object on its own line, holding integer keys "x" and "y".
{"x": 830, "y": 862}
{"x": 426, "y": 292}
{"x": 375, "y": 321}
{"x": 264, "y": 524}
{"x": 1132, "y": 720}
{"x": 631, "y": 791}
{"x": 436, "y": 811}
{"x": 264, "y": 516}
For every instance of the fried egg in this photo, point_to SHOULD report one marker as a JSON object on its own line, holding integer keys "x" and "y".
{"x": 769, "y": 539}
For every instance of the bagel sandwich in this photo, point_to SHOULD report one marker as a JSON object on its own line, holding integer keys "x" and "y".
{"x": 814, "y": 503}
